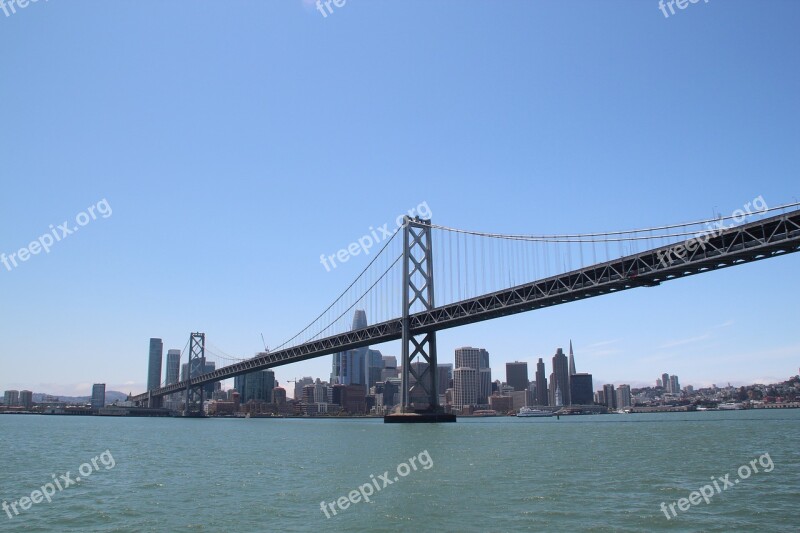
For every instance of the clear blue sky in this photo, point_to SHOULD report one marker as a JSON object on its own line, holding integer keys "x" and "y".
{"x": 237, "y": 141}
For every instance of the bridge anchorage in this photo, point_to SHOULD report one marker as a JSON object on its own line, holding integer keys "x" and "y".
{"x": 418, "y": 389}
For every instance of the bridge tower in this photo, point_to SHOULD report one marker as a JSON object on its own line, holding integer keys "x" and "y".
{"x": 419, "y": 394}
{"x": 193, "y": 406}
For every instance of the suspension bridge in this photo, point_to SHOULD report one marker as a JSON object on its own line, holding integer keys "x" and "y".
{"x": 483, "y": 276}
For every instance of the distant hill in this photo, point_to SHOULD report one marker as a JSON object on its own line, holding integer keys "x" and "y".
{"x": 111, "y": 397}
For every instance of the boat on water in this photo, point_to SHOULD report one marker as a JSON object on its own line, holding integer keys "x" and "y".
{"x": 528, "y": 412}
{"x": 730, "y": 406}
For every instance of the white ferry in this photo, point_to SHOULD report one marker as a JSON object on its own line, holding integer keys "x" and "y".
{"x": 730, "y": 406}
{"x": 527, "y": 411}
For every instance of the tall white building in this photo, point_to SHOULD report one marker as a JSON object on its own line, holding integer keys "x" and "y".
{"x": 623, "y": 396}
{"x": 11, "y": 398}
{"x": 674, "y": 385}
{"x": 476, "y": 359}
{"x": 465, "y": 387}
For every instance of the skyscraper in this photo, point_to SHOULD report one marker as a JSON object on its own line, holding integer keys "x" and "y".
{"x": 11, "y": 398}
{"x": 26, "y": 399}
{"x": 572, "y": 370}
{"x": 154, "y": 366}
{"x": 360, "y": 366}
{"x": 465, "y": 387}
{"x": 610, "y": 396}
{"x": 541, "y": 384}
{"x": 445, "y": 375}
{"x": 484, "y": 378}
{"x": 298, "y": 386}
{"x": 561, "y": 374}
{"x": 359, "y": 319}
{"x": 208, "y": 388}
{"x": 468, "y": 357}
{"x": 98, "y": 396}
{"x": 476, "y": 359}
{"x": 173, "y": 366}
{"x": 623, "y": 396}
{"x": 665, "y": 381}
{"x": 581, "y": 389}
{"x": 389, "y": 367}
{"x": 517, "y": 375}
{"x": 674, "y": 385}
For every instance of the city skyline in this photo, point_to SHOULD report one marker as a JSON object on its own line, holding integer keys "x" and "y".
{"x": 283, "y": 374}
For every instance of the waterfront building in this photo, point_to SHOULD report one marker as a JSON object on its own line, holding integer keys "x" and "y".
{"x": 26, "y": 399}
{"x": 256, "y": 386}
{"x": 623, "y": 396}
{"x": 501, "y": 404}
{"x": 519, "y": 398}
{"x": 354, "y": 399}
{"x": 98, "y": 396}
{"x": 581, "y": 389}
{"x": 11, "y": 398}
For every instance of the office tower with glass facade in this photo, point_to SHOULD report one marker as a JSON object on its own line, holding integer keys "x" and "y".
{"x": 154, "y": 365}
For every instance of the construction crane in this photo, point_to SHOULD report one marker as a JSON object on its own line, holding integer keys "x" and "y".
{"x": 266, "y": 348}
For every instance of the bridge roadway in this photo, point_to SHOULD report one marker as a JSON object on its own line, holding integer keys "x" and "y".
{"x": 763, "y": 239}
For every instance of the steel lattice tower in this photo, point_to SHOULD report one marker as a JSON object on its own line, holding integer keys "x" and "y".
{"x": 193, "y": 405}
{"x": 418, "y": 289}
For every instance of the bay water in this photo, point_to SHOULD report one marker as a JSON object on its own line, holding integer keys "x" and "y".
{"x": 579, "y": 473}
